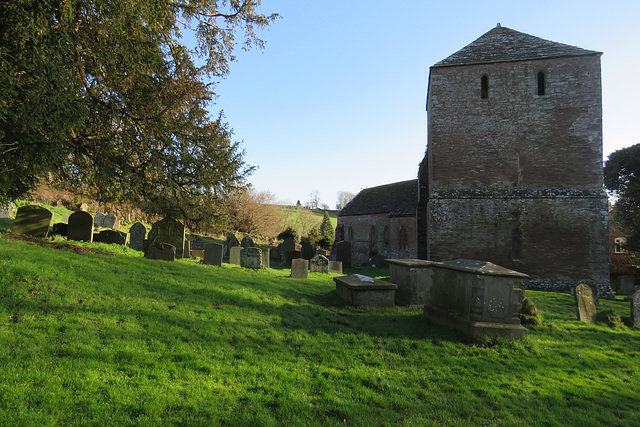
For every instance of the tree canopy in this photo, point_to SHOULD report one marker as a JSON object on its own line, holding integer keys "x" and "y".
{"x": 105, "y": 96}
{"x": 622, "y": 180}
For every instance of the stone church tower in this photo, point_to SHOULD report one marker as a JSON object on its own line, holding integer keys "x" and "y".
{"x": 513, "y": 168}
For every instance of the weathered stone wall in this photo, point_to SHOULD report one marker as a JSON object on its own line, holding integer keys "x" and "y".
{"x": 520, "y": 161}
{"x": 361, "y": 226}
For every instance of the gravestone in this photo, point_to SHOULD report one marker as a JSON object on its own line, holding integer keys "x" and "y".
{"x": 288, "y": 245}
{"x": 266, "y": 257}
{"x": 627, "y": 285}
{"x": 232, "y": 242}
{"x": 137, "y": 233}
{"x": 585, "y": 307}
{"x": 307, "y": 251}
{"x": 378, "y": 261}
{"x": 186, "y": 252}
{"x": 319, "y": 264}
{"x": 98, "y": 219}
{"x": 197, "y": 244}
{"x": 289, "y": 257}
{"x": 213, "y": 254}
{"x": 234, "y": 255}
{"x": 359, "y": 290}
{"x": 335, "y": 267}
{"x": 251, "y": 258}
{"x": 60, "y": 229}
{"x": 299, "y": 268}
{"x": 5, "y": 212}
{"x": 168, "y": 230}
{"x": 343, "y": 253}
{"x": 33, "y": 221}
{"x": 635, "y": 308}
{"x": 162, "y": 251}
{"x": 247, "y": 242}
{"x": 113, "y": 237}
{"x": 80, "y": 227}
{"x": 110, "y": 221}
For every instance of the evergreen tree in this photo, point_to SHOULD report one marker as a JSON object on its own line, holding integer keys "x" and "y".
{"x": 104, "y": 96}
{"x": 326, "y": 228}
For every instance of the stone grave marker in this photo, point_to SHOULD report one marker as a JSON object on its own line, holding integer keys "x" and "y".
{"x": 113, "y": 237}
{"x": 335, "y": 267}
{"x": 5, "y": 212}
{"x": 266, "y": 257}
{"x": 585, "y": 306}
{"x": 232, "y": 241}
{"x": 247, "y": 242}
{"x": 168, "y": 230}
{"x": 186, "y": 252}
{"x": 213, "y": 254}
{"x": 110, "y": 221}
{"x": 251, "y": 257}
{"x": 288, "y": 245}
{"x": 98, "y": 219}
{"x": 163, "y": 251}
{"x": 299, "y": 268}
{"x": 307, "y": 250}
{"x": 319, "y": 264}
{"x": 60, "y": 229}
{"x": 635, "y": 308}
{"x": 137, "y": 234}
{"x": 627, "y": 285}
{"x": 197, "y": 244}
{"x": 32, "y": 220}
{"x": 234, "y": 255}
{"x": 289, "y": 257}
{"x": 343, "y": 253}
{"x": 80, "y": 227}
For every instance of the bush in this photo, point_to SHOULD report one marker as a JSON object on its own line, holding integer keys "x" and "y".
{"x": 288, "y": 232}
{"x": 529, "y": 313}
{"x": 610, "y": 318}
{"x": 325, "y": 243}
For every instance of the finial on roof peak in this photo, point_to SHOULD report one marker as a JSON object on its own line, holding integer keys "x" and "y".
{"x": 498, "y": 26}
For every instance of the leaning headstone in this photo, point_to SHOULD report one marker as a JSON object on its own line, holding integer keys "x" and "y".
{"x": 343, "y": 253}
{"x": 113, "y": 237}
{"x": 98, "y": 219}
{"x": 266, "y": 257}
{"x": 60, "y": 229}
{"x": 335, "y": 267}
{"x": 307, "y": 250}
{"x": 251, "y": 258}
{"x": 232, "y": 241}
{"x": 319, "y": 264}
{"x": 137, "y": 233}
{"x": 110, "y": 221}
{"x": 635, "y": 308}
{"x": 247, "y": 242}
{"x": 33, "y": 221}
{"x": 163, "y": 251}
{"x": 299, "y": 268}
{"x": 585, "y": 307}
{"x": 213, "y": 254}
{"x": 168, "y": 230}
{"x": 234, "y": 255}
{"x": 80, "y": 227}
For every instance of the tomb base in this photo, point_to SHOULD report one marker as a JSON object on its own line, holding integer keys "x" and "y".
{"x": 366, "y": 291}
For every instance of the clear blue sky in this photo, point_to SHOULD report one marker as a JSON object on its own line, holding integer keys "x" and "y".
{"x": 336, "y": 101}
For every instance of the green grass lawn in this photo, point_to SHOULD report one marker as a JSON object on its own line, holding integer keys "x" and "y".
{"x": 116, "y": 339}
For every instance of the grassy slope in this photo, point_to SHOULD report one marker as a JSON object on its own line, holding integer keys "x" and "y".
{"x": 118, "y": 339}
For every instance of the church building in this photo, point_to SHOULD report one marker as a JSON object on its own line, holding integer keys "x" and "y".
{"x": 513, "y": 168}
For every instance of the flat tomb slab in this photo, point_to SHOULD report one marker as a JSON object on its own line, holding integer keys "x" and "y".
{"x": 357, "y": 289}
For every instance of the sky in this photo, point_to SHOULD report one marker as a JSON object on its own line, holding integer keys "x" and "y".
{"x": 336, "y": 100}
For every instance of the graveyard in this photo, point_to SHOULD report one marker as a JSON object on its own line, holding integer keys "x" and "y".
{"x": 97, "y": 333}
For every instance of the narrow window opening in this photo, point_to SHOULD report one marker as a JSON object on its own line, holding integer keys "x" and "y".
{"x": 541, "y": 84}
{"x": 484, "y": 87}
{"x": 350, "y": 235}
{"x": 516, "y": 245}
{"x": 387, "y": 236}
{"x": 373, "y": 241}
{"x": 403, "y": 239}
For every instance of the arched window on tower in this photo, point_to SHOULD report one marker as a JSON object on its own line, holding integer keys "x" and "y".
{"x": 386, "y": 235}
{"x": 403, "y": 239}
{"x": 484, "y": 87}
{"x": 541, "y": 84}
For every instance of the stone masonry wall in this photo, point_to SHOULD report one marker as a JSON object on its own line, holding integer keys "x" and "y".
{"x": 361, "y": 226}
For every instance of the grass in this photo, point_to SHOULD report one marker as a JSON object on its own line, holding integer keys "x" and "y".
{"x": 116, "y": 339}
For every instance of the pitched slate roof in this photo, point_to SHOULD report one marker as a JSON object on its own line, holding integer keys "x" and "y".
{"x": 502, "y": 44}
{"x": 397, "y": 199}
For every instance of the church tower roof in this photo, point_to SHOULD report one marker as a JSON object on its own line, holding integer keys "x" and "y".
{"x": 502, "y": 44}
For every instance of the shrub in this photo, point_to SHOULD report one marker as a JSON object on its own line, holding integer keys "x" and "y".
{"x": 610, "y": 318}
{"x": 288, "y": 232}
{"x": 529, "y": 313}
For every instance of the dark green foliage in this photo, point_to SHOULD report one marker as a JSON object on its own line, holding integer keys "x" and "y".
{"x": 325, "y": 243}
{"x": 288, "y": 232}
{"x": 312, "y": 236}
{"x": 326, "y": 229}
{"x": 622, "y": 180}
{"x": 104, "y": 98}
{"x": 610, "y": 318}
